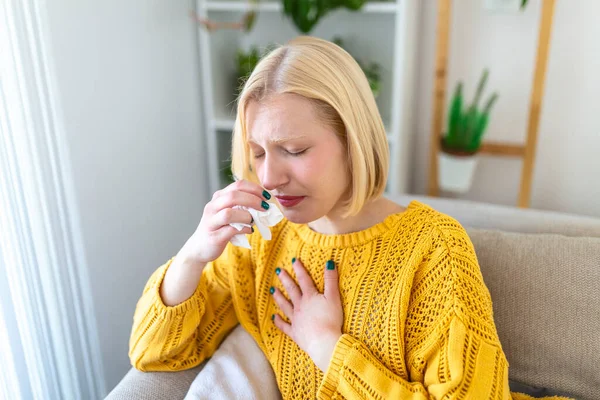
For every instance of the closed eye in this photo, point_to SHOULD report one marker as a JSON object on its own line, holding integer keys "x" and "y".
{"x": 296, "y": 153}
{"x": 289, "y": 152}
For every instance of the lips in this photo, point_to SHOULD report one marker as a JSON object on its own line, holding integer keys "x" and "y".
{"x": 289, "y": 201}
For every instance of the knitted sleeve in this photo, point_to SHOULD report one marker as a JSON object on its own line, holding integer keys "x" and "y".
{"x": 174, "y": 338}
{"x": 452, "y": 350}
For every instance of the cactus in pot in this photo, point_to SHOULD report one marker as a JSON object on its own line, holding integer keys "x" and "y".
{"x": 466, "y": 128}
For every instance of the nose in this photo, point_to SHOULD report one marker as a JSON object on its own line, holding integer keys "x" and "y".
{"x": 272, "y": 174}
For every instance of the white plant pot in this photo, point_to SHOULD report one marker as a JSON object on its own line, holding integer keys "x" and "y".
{"x": 456, "y": 172}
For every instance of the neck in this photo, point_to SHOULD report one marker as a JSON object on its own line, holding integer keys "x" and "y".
{"x": 371, "y": 214}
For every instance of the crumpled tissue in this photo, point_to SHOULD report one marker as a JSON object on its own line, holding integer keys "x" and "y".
{"x": 262, "y": 220}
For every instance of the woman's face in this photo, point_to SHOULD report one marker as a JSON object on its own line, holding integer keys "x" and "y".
{"x": 297, "y": 158}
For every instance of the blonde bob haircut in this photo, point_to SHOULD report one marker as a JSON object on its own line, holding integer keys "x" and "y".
{"x": 332, "y": 80}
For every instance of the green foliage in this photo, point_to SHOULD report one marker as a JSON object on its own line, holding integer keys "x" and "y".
{"x": 306, "y": 13}
{"x": 372, "y": 71}
{"x": 466, "y": 127}
{"x": 226, "y": 173}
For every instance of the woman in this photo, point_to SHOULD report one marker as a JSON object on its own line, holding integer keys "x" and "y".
{"x": 354, "y": 296}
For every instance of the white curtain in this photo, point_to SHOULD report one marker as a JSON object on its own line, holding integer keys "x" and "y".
{"x": 48, "y": 339}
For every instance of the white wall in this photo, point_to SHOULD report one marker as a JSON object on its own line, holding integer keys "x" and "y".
{"x": 567, "y": 168}
{"x": 128, "y": 82}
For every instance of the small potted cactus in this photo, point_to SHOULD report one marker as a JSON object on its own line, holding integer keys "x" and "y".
{"x": 460, "y": 144}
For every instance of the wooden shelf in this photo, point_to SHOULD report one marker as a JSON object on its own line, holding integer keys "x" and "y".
{"x": 383, "y": 7}
{"x": 502, "y": 149}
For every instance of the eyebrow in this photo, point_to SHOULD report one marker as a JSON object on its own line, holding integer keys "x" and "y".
{"x": 281, "y": 139}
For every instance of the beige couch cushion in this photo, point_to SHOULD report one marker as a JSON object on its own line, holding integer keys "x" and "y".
{"x": 546, "y": 294}
{"x": 237, "y": 370}
{"x": 138, "y": 385}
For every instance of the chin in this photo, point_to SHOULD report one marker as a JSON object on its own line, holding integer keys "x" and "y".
{"x": 298, "y": 216}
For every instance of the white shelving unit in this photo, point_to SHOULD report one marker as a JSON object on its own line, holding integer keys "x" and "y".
{"x": 382, "y": 32}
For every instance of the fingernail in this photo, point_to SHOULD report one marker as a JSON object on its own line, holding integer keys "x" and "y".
{"x": 266, "y": 195}
{"x": 293, "y": 260}
{"x": 252, "y": 229}
{"x": 265, "y": 205}
{"x": 273, "y": 317}
{"x": 272, "y": 290}
{"x": 330, "y": 265}
{"x": 277, "y": 270}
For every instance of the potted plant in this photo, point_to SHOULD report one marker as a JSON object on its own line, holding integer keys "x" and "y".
{"x": 305, "y": 14}
{"x": 459, "y": 146}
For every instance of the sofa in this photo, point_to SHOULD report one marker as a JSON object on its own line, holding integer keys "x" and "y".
{"x": 543, "y": 273}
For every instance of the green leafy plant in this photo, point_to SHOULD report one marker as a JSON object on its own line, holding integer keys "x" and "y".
{"x": 466, "y": 126}
{"x": 373, "y": 73}
{"x": 226, "y": 173}
{"x": 306, "y": 13}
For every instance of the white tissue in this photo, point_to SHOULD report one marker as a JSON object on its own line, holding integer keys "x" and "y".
{"x": 262, "y": 220}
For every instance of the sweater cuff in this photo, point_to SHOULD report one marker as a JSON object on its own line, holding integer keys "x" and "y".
{"x": 195, "y": 302}
{"x": 332, "y": 375}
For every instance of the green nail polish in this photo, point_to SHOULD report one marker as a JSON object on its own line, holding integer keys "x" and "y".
{"x": 273, "y": 317}
{"x": 277, "y": 270}
{"x": 265, "y": 205}
{"x": 266, "y": 195}
{"x": 293, "y": 260}
{"x": 272, "y": 290}
{"x": 330, "y": 265}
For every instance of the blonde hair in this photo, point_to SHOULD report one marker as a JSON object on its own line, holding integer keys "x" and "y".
{"x": 332, "y": 80}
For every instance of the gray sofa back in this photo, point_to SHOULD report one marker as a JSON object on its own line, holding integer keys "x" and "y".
{"x": 509, "y": 219}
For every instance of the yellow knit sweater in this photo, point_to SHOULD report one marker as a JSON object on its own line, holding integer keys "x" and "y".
{"x": 418, "y": 320}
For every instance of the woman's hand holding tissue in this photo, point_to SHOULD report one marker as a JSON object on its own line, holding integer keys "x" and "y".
{"x": 211, "y": 236}
{"x": 214, "y": 230}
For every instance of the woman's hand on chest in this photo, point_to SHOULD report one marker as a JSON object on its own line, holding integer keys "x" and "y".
{"x": 315, "y": 319}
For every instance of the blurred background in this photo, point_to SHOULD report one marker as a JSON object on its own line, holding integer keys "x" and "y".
{"x": 116, "y": 126}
